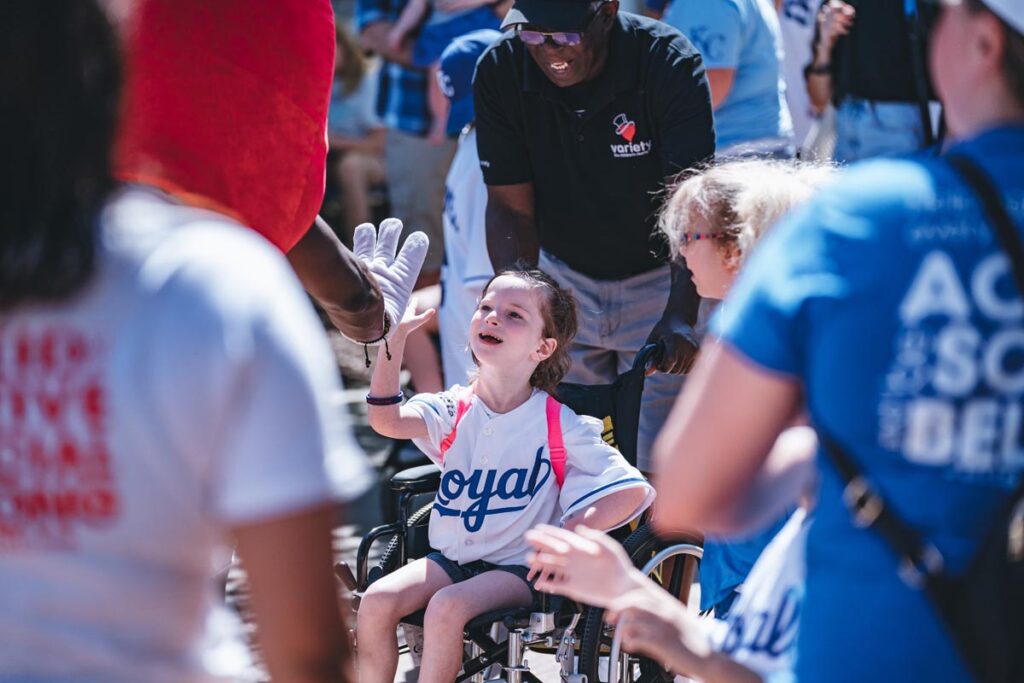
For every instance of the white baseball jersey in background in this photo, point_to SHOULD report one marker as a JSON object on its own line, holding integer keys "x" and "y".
{"x": 797, "y": 19}
{"x": 761, "y": 629}
{"x": 467, "y": 267}
{"x": 497, "y": 482}
{"x": 183, "y": 391}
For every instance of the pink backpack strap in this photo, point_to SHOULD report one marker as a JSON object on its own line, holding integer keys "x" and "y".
{"x": 464, "y": 401}
{"x": 556, "y": 446}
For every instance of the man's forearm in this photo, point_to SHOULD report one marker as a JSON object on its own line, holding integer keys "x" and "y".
{"x": 511, "y": 237}
{"x": 339, "y": 282}
{"x": 683, "y": 301}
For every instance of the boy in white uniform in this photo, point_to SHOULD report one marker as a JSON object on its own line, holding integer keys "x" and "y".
{"x": 467, "y": 266}
{"x": 512, "y": 457}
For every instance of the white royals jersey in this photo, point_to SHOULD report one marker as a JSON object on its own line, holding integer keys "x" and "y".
{"x": 761, "y": 628}
{"x": 497, "y": 482}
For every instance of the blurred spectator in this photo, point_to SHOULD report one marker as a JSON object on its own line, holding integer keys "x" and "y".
{"x": 741, "y": 43}
{"x": 797, "y": 20}
{"x": 869, "y": 65}
{"x": 583, "y": 113}
{"x": 415, "y": 168}
{"x": 355, "y": 134}
{"x": 158, "y": 402}
{"x": 440, "y": 29}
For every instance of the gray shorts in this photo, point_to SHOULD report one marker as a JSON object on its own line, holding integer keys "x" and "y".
{"x": 615, "y": 317}
{"x": 416, "y": 173}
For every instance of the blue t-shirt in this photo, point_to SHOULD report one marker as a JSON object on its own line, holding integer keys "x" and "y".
{"x": 891, "y": 302}
{"x": 743, "y": 35}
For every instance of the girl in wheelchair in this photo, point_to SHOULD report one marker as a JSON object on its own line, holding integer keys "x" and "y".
{"x": 511, "y": 456}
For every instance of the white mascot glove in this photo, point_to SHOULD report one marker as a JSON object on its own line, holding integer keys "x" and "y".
{"x": 396, "y": 276}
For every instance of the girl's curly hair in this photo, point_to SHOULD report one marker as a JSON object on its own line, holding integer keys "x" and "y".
{"x": 559, "y": 312}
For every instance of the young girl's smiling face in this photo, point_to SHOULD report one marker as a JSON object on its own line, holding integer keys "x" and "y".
{"x": 508, "y": 326}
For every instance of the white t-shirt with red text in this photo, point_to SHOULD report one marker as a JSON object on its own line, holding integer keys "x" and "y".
{"x": 183, "y": 391}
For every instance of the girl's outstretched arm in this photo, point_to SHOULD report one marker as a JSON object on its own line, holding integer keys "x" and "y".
{"x": 396, "y": 421}
{"x": 609, "y": 512}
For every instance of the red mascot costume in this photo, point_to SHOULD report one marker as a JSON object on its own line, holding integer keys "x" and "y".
{"x": 225, "y": 106}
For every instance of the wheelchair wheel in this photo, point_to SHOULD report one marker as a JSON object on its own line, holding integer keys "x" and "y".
{"x": 596, "y": 639}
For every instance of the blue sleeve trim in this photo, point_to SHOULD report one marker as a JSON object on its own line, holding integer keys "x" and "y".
{"x": 618, "y": 482}
{"x": 414, "y": 399}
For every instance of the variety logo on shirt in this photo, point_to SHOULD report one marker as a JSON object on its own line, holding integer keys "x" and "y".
{"x": 55, "y": 471}
{"x": 626, "y": 129}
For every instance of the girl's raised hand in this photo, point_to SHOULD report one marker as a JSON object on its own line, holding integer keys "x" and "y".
{"x": 587, "y": 565}
{"x": 413, "y": 318}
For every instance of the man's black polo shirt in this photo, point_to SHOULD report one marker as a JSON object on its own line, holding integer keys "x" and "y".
{"x": 598, "y": 177}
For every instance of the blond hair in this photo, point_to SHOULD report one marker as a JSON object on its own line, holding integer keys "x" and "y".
{"x": 739, "y": 201}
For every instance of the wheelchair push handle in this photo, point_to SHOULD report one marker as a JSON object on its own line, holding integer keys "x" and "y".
{"x": 646, "y": 355}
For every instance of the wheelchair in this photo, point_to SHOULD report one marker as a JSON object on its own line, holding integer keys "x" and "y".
{"x": 585, "y": 648}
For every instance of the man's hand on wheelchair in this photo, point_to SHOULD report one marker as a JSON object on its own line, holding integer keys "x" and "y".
{"x": 678, "y": 344}
{"x": 586, "y": 565}
{"x": 395, "y": 274}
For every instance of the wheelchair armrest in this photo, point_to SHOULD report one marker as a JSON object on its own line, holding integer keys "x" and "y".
{"x": 422, "y": 479}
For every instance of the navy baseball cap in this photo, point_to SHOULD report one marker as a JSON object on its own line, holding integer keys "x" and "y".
{"x": 458, "y": 64}
{"x": 561, "y": 15}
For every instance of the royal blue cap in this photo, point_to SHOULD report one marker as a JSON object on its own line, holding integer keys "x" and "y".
{"x": 458, "y": 65}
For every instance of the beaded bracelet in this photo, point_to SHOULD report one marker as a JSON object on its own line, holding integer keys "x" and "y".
{"x": 381, "y": 338}
{"x": 385, "y": 400}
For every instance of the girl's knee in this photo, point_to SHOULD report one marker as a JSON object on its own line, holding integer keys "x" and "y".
{"x": 378, "y": 607}
{"x": 446, "y": 609}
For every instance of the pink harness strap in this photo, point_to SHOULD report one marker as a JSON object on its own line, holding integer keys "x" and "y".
{"x": 555, "y": 444}
{"x": 553, "y": 413}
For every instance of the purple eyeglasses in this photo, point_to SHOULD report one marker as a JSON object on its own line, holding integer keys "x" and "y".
{"x": 558, "y": 38}
{"x": 690, "y": 237}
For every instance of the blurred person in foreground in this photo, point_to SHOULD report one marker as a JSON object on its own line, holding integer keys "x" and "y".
{"x": 158, "y": 402}
{"x": 887, "y": 310}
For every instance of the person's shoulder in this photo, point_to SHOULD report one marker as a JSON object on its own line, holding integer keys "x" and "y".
{"x": 195, "y": 252}
{"x": 883, "y": 190}
{"x": 658, "y": 40}
{"x": 504, "y": 53}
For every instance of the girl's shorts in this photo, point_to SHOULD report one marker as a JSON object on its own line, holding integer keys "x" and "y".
{"x": 463, "y": 572}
